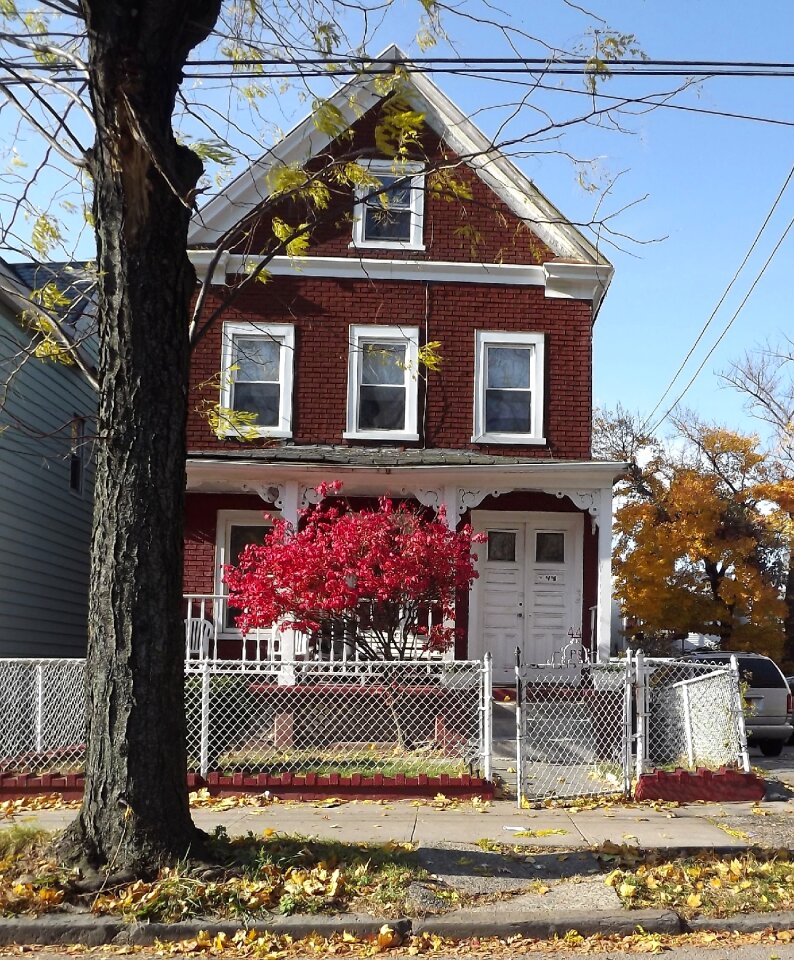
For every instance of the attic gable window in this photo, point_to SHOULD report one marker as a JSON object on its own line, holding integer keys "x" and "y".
{"x": 508, "y": 387}
{"x": 257, "y": 364}
{"x": 394, "y": 216}
{"x": 382, "y": 383}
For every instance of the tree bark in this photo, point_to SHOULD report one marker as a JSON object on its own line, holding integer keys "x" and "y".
{"x": 135, "y": 812}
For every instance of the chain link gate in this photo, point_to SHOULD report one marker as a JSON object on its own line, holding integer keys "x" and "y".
{"x": 573, "y": 722}
{"x": 584, "y": 729}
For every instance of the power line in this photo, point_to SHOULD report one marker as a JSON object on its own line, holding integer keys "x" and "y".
{"x": 721, "y": 300}
{"x": 354, "y": 66}
{"x": 727, "y": 327}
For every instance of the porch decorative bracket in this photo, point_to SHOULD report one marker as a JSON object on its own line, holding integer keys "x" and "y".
{"x": 308, "y": 495}
{"x": 429, "y": 498}
{"x": 269, "y": 492}
{"x": 468, "y": 499}
{"x": 588, "y": 500}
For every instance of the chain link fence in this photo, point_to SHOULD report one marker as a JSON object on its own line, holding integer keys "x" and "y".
{"x": 42, "y": 706}
{"x": 689, "y": 715}
{"x": 574, "y": 730}
{"x": 397, "y": 717}
{"x": 584, "y": 729}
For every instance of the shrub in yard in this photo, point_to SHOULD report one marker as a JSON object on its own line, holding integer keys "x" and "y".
{"x": 382, "y": 581}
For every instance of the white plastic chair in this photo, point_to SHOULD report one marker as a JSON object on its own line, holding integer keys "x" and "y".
{"x": 198, "y": 634}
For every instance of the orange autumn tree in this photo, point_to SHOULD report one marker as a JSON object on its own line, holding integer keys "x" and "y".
{"x": 701, "y": 536}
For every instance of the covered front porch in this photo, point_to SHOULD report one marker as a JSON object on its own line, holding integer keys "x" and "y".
{"x": 544, "y": 573}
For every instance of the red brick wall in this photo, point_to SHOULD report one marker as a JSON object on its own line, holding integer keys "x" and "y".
{"x": 322, "y": 310}
{"x": 481, "y": 228}
{"x": 201, "y": 511}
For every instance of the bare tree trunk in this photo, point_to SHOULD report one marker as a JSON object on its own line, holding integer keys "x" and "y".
{"x": 135, "y": 812}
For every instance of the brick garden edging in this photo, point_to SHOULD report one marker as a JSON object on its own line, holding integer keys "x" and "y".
{"x": 309, "y": 786}
{"x": 685, "y": 787}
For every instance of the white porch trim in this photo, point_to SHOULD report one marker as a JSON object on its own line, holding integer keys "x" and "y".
{"x": 577, "y": 281}
{"x": 459, "y": 488}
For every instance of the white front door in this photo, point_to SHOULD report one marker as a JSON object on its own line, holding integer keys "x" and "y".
{"x": 529, "y": 591}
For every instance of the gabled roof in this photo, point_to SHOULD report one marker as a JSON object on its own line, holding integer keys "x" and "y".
{"x": 357, "y": 97}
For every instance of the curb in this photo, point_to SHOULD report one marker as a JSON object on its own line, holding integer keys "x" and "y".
{"x": 59, "y": 930}
{"x": 510, "y": 923}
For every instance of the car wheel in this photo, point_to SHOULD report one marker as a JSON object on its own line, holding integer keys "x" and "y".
{"x": 771, "y": 748}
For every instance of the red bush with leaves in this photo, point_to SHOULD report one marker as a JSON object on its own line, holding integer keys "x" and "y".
{"x": 380, "y": 580}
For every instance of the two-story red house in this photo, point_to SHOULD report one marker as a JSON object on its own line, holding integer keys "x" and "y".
{"x": 328, "y": 354}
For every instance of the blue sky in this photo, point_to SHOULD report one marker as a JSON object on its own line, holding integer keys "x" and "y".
{"x": 708, "y": 182}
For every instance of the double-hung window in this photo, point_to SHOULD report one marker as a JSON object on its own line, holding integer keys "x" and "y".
{"x": 508, "y": 397}
{"x": 391, "y": 214}
{"x": 256, "y": 378}
{"x": 382, "y": 383}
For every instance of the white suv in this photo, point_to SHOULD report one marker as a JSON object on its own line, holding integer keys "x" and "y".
{"x": 769, "y": 713}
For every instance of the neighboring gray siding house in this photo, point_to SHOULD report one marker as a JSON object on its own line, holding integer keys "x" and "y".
{"x": 47, "y": 417}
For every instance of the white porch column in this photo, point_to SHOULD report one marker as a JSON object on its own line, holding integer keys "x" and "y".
{"x": 290, "y": 495}
{"x": 451, "y": 501}
{"x": 604, "y": 601}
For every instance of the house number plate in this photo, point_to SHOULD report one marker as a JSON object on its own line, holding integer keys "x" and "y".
{"x": 547, "y": 578}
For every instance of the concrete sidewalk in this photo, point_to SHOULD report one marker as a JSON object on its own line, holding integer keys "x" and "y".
{"x": 695, "y": 825}
{"x": 501, "y": 895}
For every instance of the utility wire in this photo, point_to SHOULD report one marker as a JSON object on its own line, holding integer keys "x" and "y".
{"x": 355, "y": 66}
{"x": 720, "y": 302}
{"x": 726, "y": 328}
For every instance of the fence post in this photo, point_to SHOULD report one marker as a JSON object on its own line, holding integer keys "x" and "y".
{"x": 205, "y": 719}
{"x": 39, "y": 706}
{"x": 744, "y": 756}
{"x": 690, "y": 746}
{"x": 641, "y": 702}
{"x": 519, "y": 732}
{"x": 486, "y": 747}
{"x": 628, "y": 699}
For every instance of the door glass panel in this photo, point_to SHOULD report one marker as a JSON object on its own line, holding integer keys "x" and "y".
{"x": 550, "y": 548}
{"x": 502, "y": 545}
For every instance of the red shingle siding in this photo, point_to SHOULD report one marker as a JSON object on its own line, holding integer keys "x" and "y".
{"x": 322, "y": 310}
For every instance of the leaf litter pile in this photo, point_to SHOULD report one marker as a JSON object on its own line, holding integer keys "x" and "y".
{"x": 263, "y": 946}
{"x": 708, "y": 884}
{"x": 255, "y": 876}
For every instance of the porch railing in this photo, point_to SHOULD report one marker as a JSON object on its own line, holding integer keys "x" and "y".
{"x": 211, "y": 634}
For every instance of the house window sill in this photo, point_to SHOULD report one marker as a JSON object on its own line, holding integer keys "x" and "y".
{"x": 385, "y": 245}
{"x": 393, "y": 435}
{"x": 515, "y": 439}
{"x": 271, "y": 433}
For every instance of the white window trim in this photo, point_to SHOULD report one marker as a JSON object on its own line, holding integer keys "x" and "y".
{"x": 485, "y": 338}
{"x": 366, "y": 332}
{"x": 386, "y": 168}
{"x": 284, "y": 334}
{"x": 225, "y": 520}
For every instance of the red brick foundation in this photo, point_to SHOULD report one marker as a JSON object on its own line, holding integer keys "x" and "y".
{"x": 686, "y": 787}
{"x": 291, "y": 786}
